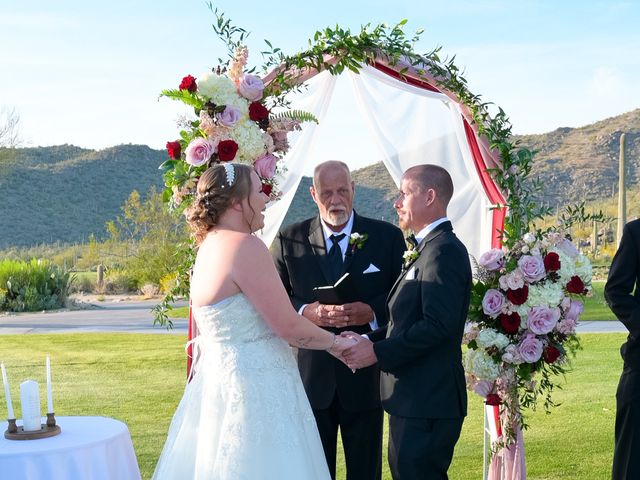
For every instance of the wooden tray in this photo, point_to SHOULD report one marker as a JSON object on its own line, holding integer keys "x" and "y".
{"x": 44, "y": 432}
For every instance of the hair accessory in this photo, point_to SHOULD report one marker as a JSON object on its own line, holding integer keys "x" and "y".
{"x": 231, "y": 173}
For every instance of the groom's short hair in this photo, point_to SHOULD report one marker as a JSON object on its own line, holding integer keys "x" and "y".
{"x": 435, "y": 177}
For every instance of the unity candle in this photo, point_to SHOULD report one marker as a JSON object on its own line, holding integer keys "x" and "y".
{"x": 30, "y": 403}
{"x": 49, "y": 393}
{"x": 7, "y": 391}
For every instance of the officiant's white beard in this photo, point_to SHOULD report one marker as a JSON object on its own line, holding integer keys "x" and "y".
{"x": 337, "y": 218}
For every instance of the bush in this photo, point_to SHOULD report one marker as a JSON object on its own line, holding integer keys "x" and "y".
{"x": 31, "y": 286}
{"x": 119, "y": 281}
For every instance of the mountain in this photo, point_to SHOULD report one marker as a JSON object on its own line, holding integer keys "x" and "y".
{"x": 65, "y": 193}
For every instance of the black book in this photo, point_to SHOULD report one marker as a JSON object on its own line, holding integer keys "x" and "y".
{"x": 343, "y": 291}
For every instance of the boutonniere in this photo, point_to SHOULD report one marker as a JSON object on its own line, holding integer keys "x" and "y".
{"x": 409, "y": 256}
{"x": 356, "y": 242}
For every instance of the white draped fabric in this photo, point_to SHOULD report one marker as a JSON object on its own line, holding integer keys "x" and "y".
{"x": 409, "y": 126}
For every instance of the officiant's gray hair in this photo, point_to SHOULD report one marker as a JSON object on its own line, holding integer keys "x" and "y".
{"x": 432, "y": 176}
{"x": 327, "y": 164}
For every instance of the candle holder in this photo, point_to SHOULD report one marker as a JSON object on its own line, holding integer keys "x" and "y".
{"x": 49, "y": 429}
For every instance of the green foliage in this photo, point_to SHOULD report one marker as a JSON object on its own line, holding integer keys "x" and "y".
{"x": 31, "y": 286}
{"x": 299, "y": 115}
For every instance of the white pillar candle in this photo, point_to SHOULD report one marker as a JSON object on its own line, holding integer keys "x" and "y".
{"x": 30, "y": 402}
{"x": 7, "y": 392}
{"x": 49, "y": 393}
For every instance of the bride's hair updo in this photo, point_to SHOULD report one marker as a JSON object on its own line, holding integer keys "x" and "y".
{"x": 218, "y": 188}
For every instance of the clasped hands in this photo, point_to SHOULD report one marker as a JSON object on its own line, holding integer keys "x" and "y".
{"x": 339, "y": 316}
{"x": 354, "y": 350}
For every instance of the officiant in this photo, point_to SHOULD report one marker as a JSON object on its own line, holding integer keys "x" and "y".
{"x": 317, "y": 252}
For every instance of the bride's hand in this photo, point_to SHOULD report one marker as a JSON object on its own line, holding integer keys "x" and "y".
{"x": 340, "y": 344}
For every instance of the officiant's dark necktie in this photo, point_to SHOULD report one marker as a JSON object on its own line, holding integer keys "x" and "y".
{"x": 335, "y": 256}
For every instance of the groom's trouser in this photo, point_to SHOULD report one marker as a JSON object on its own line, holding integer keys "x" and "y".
{"x": 626, "y": 456}
{"x": 422, "y": 448}
{"x": 361, "y": 434}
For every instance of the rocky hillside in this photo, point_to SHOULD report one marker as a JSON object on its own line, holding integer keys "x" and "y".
{"x": 65, "y": 193}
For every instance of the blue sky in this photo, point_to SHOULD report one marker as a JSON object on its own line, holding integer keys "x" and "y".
{"x": 89, "y": 73}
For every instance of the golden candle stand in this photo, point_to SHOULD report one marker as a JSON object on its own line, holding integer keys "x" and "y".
{"x": 49, "y": 429}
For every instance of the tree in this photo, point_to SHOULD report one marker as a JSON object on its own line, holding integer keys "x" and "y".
{"x": 9, "y": 128}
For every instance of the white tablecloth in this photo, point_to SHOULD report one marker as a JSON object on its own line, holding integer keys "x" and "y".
{"x": 89, "y": 448}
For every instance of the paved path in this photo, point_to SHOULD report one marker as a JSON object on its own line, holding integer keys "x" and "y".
{"x": 136, "y": 317}
{"x": 125, "y": 316}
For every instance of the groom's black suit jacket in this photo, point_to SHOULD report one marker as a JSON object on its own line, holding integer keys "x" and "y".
{"x": 419, "y": 351}
{"x": 299, "y": 253}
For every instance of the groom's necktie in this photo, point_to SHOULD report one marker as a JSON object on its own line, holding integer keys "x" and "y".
{"x": 335, "y": 256}
{"x": 412, "y": 242}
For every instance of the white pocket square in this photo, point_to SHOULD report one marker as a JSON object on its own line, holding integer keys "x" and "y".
{"x": 411, "y": 274}
{"x": 371, "y": 269}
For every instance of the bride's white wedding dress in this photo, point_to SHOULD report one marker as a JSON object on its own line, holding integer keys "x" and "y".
{"x": 244, "y": 415}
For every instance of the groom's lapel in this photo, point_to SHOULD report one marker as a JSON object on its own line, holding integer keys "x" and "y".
{"x": 316, "y": 239}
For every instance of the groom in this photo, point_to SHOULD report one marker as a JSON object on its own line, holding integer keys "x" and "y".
{"x": 419, "y": 353}
{"x": 316, "y": 252}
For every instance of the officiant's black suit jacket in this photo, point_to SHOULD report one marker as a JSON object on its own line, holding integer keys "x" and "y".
{"x": 300, "y": 256}
{"x": 419, "y": 351}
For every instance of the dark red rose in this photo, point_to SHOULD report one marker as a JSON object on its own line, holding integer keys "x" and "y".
{"x": 493, "y": 399}
{"x": 510, "y": 323}
{"x": 258, "y": 112}
{"x": 266, "y": 188}
{"x": 227, "y": 150}
{"x": 518, "y": 296}
{"x": 552, "y": 262}
{"x": 551, "y": 354}
{"x": 575, "y": 285}
{"x": 188, "y": 83}
{"x": 174, "y": 150}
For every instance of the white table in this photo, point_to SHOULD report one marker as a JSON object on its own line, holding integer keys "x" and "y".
{"x": 89, "y": 448}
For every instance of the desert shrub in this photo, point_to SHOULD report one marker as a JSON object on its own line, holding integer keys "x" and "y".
{"x": 118, "y": 282}
{"x": 31, "y": 286}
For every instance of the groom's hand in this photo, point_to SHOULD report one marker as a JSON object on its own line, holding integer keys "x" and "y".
{"x": 361, "y": 354}
{"x": 326, "y": 315}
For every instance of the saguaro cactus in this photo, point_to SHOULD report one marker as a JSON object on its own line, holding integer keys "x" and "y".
{"x": 622, "y": 192}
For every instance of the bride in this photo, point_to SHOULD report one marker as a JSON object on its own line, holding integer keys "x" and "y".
{"x": 245, "y": 414}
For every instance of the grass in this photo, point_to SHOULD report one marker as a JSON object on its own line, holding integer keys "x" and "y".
{"x": 139, "y": 379}
{"x": 595, "y": 307}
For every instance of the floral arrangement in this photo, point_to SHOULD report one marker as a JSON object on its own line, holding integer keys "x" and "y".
{"x": 524, "y": 310}
{"x": 232, "y": 123}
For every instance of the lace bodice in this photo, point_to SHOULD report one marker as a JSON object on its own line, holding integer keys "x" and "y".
{"x": 232, "y": 320}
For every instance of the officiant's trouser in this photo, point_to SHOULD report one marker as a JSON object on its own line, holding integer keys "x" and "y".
{"x": 361, "y": 434}
{"x": 626, "y": 456}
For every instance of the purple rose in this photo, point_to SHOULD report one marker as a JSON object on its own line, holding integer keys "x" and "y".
{"x": 251, "y": 87}
{"x": 532, "y": 267}
{"x": 265, "y": 165}
{"x": 199, "y": 151}
{"x": 530, "y": 349}
{"x": 493, "y": 302}
{"x": 568, "y": 248}
{"x": 541, "y": 320}
{"x": 574, "y": 310}
{"x": 492, "y": 260}
{"x": 229, "y": 116}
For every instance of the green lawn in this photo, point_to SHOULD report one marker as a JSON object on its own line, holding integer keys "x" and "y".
{"x": 139, "y": 379}
{"x": 595, "y": 307}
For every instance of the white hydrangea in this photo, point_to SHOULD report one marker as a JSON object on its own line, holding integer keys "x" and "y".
{"x": 491, "y": 338}
{"x": 567, "y": 267}
{"x": 583, "y": 268}
{"x": 548, "y": 293}
{"x": 250, "y": 142}
{"x": 220, "y": 89}
{"x": 481, "y": 365}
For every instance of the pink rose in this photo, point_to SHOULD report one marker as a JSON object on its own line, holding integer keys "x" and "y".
{"x": 199, "y": 151}
{"x": 265, "y": 165}
{"x": 575, "y": 309}
{"x": 530, "y": 349}
{"x": 567, "y": 326}
{"x": 229, "y": 116}
{"x": 541, "y": 320}
{"x": 492, "y": 260}
{"x": 532, "y": 267}
{"x": 492, "y": 302}
{"x": 251, "y": 87}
